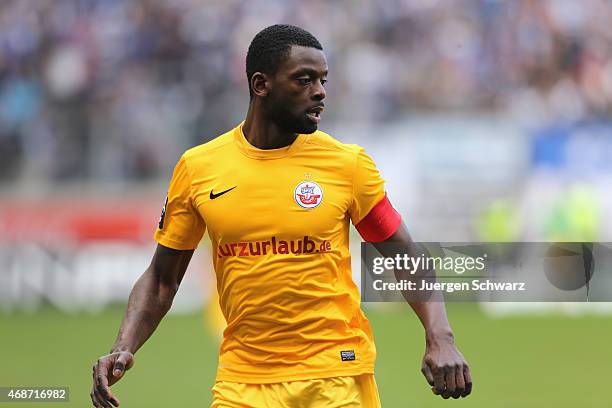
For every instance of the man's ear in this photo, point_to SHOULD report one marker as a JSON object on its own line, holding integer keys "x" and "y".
{"x": 260, "y": 84}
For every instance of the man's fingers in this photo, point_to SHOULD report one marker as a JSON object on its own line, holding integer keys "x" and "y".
{"x": 459, "y": 383}
{"x": 113, "y": 400}
{"x": 103, "y": 388}
{"x": 102, "y": 391}
{"x": 427, "y": 373}
{"x": 439, "y": 380}
{"x": 94, "y": 400}
{"x": 449, "y": 378}
{"x": 107, "y": 371}
{"x": 95, "y": 397}
{"x": 124, "y": 362}
{"x": 118, "y": 369}
{"x": 468, "y": 381}
{"x": 107, "y": 396}
{"x": 451, "y": 374}
{"x": 99, "y": 401}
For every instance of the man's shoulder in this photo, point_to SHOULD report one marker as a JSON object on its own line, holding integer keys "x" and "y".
{"x": 326, "y": 141}
{"x": 215, "y": 144}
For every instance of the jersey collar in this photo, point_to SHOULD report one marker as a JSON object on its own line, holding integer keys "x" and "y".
{"x": 253, "y": 152}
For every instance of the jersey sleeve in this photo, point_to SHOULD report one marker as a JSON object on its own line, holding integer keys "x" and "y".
{"x": 371, "y": 211}
{"x": 180, "y": 225}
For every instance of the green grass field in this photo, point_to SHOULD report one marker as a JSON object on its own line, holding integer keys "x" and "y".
{"x": 516, "y": 362}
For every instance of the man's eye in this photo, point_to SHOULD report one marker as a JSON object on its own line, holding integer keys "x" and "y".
{"x": 323, "y": 81}
{"x": 304, "y": 81}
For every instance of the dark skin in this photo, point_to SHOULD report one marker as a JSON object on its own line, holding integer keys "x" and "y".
{"x": 278, "y": 110}
{"x": 149, "y": 302}
{"x": 283, "y": 105}
{"x": 443, "y": 365}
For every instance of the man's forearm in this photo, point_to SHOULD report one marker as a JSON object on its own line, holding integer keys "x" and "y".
{"x": 149, "y": 302}
{"x": 434, "y": 320}
{"x": 431, "y": 313}
{"x": 443, "y": 365}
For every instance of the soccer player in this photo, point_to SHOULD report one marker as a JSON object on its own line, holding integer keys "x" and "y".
{"x": 276, "y": 196}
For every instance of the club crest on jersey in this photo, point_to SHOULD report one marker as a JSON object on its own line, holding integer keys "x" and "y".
{"x": 308, "y": 194}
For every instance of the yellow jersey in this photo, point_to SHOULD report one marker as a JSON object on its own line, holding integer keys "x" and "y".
{"x": 278, "y": 221}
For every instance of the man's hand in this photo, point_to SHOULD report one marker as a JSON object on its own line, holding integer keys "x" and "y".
{"x": 149, "y": 301}
{"x": 106, "y": 372}
{"x": 446, "y": 370}
{"x": 443, "y": 365}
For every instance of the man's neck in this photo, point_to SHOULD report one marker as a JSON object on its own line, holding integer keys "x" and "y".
{"x": 263, "y": 133}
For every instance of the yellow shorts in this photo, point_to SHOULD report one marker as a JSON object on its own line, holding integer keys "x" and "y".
{"x": 335, "y": 392}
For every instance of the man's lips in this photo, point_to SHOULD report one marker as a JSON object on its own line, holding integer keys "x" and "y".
{"x": 314, "y": 113}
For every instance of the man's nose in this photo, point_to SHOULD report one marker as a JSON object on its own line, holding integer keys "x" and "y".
{"x": 319, "y": 91}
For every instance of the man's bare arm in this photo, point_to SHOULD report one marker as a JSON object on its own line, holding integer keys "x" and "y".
{"x": 431, "y": 314}
{"x": 149, "y": 301}
{"x": 151, "y": 297}
{"x": 443, "y": 366}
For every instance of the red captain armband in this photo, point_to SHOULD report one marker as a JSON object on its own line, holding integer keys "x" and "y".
{"x": 381, "y": 222}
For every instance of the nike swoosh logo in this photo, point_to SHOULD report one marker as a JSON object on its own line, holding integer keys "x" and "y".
{"x": 213, "y": 195}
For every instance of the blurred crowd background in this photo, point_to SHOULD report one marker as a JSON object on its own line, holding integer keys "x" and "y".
{"x": 113, "y": 90}
{"x": 489, "y": 119}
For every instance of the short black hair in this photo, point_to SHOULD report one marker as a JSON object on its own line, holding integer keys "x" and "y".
{"x": 271, "y": 46}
